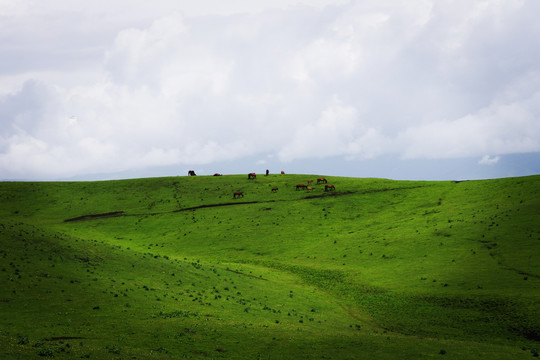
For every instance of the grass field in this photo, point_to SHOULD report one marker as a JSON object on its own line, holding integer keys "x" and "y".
{"x": 168, "y": 268}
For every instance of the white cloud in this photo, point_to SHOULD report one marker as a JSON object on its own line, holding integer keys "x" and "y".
{"x": 13, "y": 7}
{"x": 152, "y": 87}
{"x": 499, "y": 128}
{"x": 338, "y": 131}
{"x": 487, "y": 160}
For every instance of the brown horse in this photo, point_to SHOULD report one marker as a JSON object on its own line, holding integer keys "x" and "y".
{"x": 329, "y": 187}
{"x": 274, "y": 189}
{"x": 321, "y": 181}
{"x": 310, "y": 182}
{"x": 252, "y": 176}
{"x": 217, "y": 174}
{"x": 301, "y": 186}
{"x": 309, "y": 189}
{"x": 238, "y": 194}
{"x": 282, "y": 172}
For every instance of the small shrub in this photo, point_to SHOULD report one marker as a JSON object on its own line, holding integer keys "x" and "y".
{"x": 46, "y": 352}
{"x": 23, "y": 340}
{"x": 162, "y": 350}
{"x": 113, "y": 349}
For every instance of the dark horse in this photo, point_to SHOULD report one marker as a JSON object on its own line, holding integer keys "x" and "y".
{"x": 321, "y": 180}
{"x": 191, "y": 173}
{"x": 238, "y": 194}
{"x": 329, "y": 187}
{"x": 274, "y": 189}
{"x": 252, "y": 176}
{"x": 217, "y": 174}
{"x": 301, "y": 186}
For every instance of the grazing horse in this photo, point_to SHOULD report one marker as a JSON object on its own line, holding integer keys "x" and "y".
{"x": 238, "y": 194}
{"x": 321, "y": 181}
{"x": 310, "y": 182}
{"x": 217, "y": 174}
{"x": 301, "y": 186}
{"x": 309, "y": 189}
{"x": 191, "y": 173}
{"x": 274, "y": 189}
{"x": 329, "y": 187}
{"x": 252, "y": 176}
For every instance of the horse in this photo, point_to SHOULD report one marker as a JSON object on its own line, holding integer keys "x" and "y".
{"x": 310, "y": 182}
{"x": 309, "y": 189}
{"x": 217, "y": 174}
{"x": 282, "y": 172}
{"x": 321, "y": 181}
{"x": 238, "y": 194}
{"x": 329, "y": 187}
{"x": 301, "y": 186}
{"x": 191, "y": 173}
{"x": 267, "y": 172}
{"x": 274, "y": 189}
{"x": 252, "y": 176}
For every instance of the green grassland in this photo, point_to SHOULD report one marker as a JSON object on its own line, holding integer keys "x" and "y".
{"x": 169, "y": 268}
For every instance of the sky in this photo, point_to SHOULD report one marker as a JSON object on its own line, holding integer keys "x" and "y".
{"x": 420, "y": 89}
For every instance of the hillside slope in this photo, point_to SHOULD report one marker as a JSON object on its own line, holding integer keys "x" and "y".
{"x": 176, "y": 267}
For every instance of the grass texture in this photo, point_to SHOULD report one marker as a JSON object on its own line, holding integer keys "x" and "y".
{"x": 171, "y": 268}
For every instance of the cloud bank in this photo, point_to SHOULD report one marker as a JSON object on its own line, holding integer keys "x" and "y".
{"x": 360, "y": 79}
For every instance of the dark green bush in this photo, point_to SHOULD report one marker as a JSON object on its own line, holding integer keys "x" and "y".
{"x": 46, "y": 352}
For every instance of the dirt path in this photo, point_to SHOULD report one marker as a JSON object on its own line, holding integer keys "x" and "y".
{"x": 96, "y": 216}
{"x": 121, "y": 213}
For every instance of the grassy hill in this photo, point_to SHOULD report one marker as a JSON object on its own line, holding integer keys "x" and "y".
{"x": 169, "y": 268}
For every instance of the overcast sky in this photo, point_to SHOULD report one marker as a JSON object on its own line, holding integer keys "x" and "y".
{"x": 434, "y": 89}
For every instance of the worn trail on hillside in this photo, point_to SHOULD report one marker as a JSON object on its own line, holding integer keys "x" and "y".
{"x": 122, "y": 213}
{"x": 308, "y": 197}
